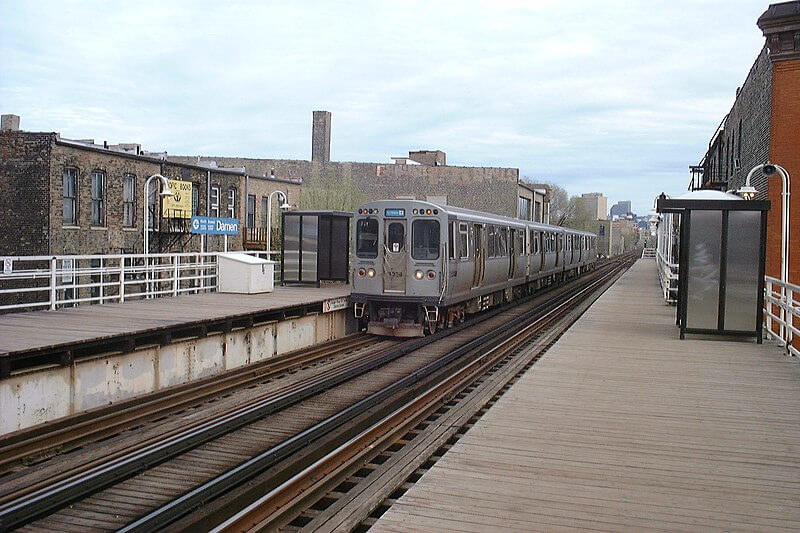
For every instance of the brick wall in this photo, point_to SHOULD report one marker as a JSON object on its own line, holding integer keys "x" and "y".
{"x": 24, "y": 192}
{"x": 488, "y": 189}
{"x": 746, "y": 135}
{"x": 785, "y": 151}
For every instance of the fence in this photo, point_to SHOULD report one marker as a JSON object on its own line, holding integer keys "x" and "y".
{"x": 52, "y": 282}
{"x": 782, "y": 313}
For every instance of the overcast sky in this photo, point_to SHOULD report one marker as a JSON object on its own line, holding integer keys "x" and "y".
{"x": 614, "y": 96}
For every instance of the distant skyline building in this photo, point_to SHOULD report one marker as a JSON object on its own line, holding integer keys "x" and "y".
{"x": 595, "y": 204}
{"x": 620, "y": 209}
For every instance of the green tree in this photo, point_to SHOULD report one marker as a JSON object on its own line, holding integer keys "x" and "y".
{"x": 338, "y": 193}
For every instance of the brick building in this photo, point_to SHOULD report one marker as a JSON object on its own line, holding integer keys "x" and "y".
{"x": 85, "y": 198}
{"x": 764, "y": 125}
{"x": 60, "y": 196}
{"x": 424, "y": 175}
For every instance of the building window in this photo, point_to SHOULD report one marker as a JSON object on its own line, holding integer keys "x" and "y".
{"x": 263, "y": 211}
{"x": 524, "y": 208}
{"x": 70, "y": 195}
{"x": 213, "y": 208}
{"x": 128, "y": 200}
{"x": 195, "y": 199}
{"x": 98, "y": 198}
{"x": 232, "y": 202}
{"x": 251, "y": 211}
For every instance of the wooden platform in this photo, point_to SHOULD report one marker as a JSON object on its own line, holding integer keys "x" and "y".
{"x": 40, "y": 330}
{"x": 622, "y": 426}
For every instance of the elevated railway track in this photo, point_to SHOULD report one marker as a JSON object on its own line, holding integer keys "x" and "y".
{"x": 300, "y": 440}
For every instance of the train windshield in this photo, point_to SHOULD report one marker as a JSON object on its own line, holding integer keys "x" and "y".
{"x": 425, "y": 239}
{"x": 367, "y": 238}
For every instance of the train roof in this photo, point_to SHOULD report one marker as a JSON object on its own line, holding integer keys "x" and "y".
{"x": 479, "y": 215}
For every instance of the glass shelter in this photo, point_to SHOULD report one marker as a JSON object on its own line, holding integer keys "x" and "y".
{"x": 721, "y": 262}
{"x": 315, "y": 247}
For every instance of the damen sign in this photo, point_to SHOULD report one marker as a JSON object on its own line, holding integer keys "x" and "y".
{"x": 215, "y": 226}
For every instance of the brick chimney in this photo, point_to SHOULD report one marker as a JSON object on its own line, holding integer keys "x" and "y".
{"x": 9, "y": 122}
{"x": 321, "y": 137}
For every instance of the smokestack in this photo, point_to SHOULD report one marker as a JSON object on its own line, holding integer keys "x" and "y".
{"x": 321, "y": 137}
{"x": 9, "y": 122}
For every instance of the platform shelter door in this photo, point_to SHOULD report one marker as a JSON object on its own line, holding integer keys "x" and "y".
{"x": 395, "y": 257}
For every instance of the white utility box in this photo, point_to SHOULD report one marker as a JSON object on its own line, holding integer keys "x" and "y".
{"x": 244, "y": 274}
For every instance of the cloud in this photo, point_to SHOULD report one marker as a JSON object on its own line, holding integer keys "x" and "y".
{"x": 616, "y": 96}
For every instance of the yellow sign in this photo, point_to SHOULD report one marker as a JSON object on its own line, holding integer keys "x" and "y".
{"x": 179, "y": 205}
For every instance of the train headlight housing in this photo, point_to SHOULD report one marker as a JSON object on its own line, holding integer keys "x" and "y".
{"x": 371, "y": 272}
{"x": 362, "y": 272}
{"x": 419, "y": 274}
{"x": 431, "y": 274}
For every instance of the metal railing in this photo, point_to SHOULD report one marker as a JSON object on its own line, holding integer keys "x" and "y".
{"x": 782, "y": 313}
{"x": 53, "y": 282}
{"x": 668, "y": 276}
{"x": 648, "y": 253}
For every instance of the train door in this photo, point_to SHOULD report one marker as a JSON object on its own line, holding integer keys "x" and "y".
{"x": 395, "y": 257}
{"x": 512, "y": 253}
{"x": 557, "y": 246}
{"x": 480, "y": 259}
{"x": 527, "y": 247}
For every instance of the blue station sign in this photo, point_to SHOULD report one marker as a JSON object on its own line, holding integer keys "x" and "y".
{"x": 215, "y": 226}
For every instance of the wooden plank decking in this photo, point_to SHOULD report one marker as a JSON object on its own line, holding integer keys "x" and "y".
{"x": 44, "y": 329}
{"x": 622, "y": 426}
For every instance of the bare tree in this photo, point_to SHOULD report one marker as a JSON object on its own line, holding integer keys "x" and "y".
{"x": 562, "y": 207}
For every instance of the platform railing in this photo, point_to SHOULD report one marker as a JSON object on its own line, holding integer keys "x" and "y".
{"x": 648, "y": 253}
{"x": 782, "y": 313}
{"x": 668, "y": 276}
{"x": 53, "y": 282}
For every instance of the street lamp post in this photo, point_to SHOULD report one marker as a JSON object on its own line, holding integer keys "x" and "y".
{"x": 283, "y": 206}
{"x": 748, "y": 192}
{"x": 165, "y": 192}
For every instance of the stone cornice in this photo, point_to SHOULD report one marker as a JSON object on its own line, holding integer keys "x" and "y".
{"x": 780, "y": 24}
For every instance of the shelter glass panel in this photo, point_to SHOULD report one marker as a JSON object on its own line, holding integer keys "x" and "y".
{"x": 741, "y": 274}
{"x": 702, "y": 298}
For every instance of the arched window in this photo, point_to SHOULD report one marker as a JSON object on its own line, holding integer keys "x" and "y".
{"x": 98, "y": 198}
{"x": 69, "y": 182}
{"x": 232, "y": 202}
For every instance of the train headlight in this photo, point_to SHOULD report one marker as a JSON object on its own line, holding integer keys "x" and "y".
{"x": 371, "y": 272}
{"x": 431, "y": 274}
{"x": 419, "y": 274}
{"x": 361, "y": 272}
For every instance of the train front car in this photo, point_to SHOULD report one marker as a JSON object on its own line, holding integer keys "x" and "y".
{"x": 398, "y": 280}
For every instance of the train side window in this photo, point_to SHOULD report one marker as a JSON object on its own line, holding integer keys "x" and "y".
{"x": 502, "y": 248}
{"x": 425, "y": 239}
{"x": 491, "y": 241}
{"x": 367, "y": 238}
{"x": 451, "y": 241}
{"x": 520, "y": 242}
{"x": 463, "y": 241}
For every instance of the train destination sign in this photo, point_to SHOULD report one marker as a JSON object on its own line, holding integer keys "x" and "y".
{"x": 395, "y": 212}
{"x": 215, "y": 226}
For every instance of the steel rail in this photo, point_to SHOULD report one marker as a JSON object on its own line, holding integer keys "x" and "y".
{"x": 262, "y": 513}
{"x": 247, "y": 470}
{"x": 40, "y": 503}
{"x": 85, "y": 427}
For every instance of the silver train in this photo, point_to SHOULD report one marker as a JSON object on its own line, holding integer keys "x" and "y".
{"x": 420, "y": 267}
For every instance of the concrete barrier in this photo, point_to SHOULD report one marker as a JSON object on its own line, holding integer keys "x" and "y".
{"x": 38, "y": 395}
